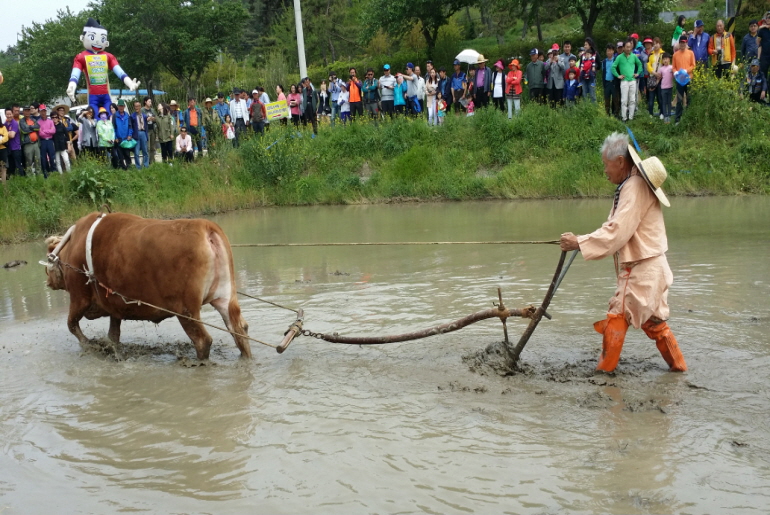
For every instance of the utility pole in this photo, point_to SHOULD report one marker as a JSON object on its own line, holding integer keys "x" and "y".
{"x": 300, "y": 40}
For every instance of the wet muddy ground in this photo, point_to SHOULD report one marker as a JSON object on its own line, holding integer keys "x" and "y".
{"x": 415, "y": 427}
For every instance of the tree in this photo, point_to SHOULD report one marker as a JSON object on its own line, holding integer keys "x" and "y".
{"x": 181, "y": 36}
{"x": 397, "y": 17}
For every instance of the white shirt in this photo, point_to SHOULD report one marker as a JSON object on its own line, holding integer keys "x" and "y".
{"x": 387, "y": 93}
{"x": 239, "y": 109}
{"x": 498, "y": 92}
{"x": 420, "y": 88}
{"x": 344, "y": 102}
{"x": 183, "y": 141}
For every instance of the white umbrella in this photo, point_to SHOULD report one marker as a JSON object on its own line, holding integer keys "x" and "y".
{"x": 468, "y": 56}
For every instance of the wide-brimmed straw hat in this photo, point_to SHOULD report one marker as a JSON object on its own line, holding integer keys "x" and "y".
{"x": 65, "y": 106}
{"x": 653, "y": 172}
{"x": 480, "y": 59}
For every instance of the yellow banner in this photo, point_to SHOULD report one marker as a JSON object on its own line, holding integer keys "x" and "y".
{"x": 277, "y": 110}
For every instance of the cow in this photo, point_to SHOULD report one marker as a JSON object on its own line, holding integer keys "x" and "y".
{"x": 178, "y": 265}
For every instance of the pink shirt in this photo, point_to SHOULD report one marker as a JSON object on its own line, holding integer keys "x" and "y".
{"x": 297, "y": 98}
{"x": 666, "y": 77}
{"x": 47, "y": 128}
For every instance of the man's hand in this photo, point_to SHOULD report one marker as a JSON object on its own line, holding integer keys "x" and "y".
{"x": 568, "y": 241}
{"x": 622, "y": 77}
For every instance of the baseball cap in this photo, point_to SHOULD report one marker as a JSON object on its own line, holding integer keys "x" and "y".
{"x": 428, "y": 62}
{"x": 255, "y": 92}
{"x": 220, "y": 95}
{"x": 208, "y": 99}
{"x": 172, "y": 103}
{"x": 42, "y": 107}
{"x": 27, "y": 108}
{"x": 699, "y": 23}
{"x": 634, "y": 35}
{"x": 386, "y": 67}
{"x": 620, "y": 44}
{"x": 456, "y": 61}
{"x": 410, "y": 65}
{"x": 755, "y": 62}
{"x": 122, "y": 102}
{"x": 534, "y": 51}
{"x": 683, "y": 39}
{"x": 555, "y": 46}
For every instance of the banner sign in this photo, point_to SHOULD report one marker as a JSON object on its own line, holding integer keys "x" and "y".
{"x": 277, "y": 110}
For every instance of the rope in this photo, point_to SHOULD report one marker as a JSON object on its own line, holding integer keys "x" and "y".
{"x": 128, "y": 300}
{"x": 267, "y": 302}
{"x": 384, "y": 243}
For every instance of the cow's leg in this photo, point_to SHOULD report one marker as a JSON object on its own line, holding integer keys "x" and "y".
{"x": 197, "y": 332}
{"x": 78, "y": 307}
{"x": 114, "y": 333}
{"x": 231, "y": 314}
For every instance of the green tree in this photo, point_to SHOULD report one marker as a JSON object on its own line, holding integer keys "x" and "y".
{"x": 397, "y": 17}
{"x": 180, "y": 36}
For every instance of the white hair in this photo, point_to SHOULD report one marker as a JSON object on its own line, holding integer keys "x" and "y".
{"x": 616, "y": 144}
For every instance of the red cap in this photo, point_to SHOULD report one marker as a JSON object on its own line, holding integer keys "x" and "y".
{"x": 634, "y": 35}
{"x": 555, "y": 47}
{"x": 42, "y": 107}
{"x": 647, "y": 40}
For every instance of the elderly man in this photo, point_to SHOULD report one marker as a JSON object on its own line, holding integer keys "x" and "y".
{"x": 721, "y": 48}
{"x": 699, "y": 43}
{"x": 636, "y": 236}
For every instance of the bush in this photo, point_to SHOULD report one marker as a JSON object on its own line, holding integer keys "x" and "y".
{"x": 92, "y": 183}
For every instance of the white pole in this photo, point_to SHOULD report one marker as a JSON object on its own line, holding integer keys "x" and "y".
{"x": 300, "y": 40}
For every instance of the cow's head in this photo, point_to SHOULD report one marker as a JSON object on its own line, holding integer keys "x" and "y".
{"x": 53, "y": 270}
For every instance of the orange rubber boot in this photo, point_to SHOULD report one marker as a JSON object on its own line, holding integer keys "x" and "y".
{"x": 614, "y": 329}
{"x": 666, "y": 343}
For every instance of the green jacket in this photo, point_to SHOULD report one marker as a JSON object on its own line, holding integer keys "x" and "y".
{"x": 167, "y": 129}
{"x": 211, "y": 119}
{"x": 105, "y": 132}
{"x": 627, "y": 66}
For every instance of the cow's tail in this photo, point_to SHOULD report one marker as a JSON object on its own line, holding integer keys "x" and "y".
{"x": 237, "y": 322}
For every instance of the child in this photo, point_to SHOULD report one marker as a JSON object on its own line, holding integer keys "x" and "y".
{"x": 588, "y": 74}
{"x": 344, "y": 102}
{"x": 666, "y": 86}
{"x": 571, "y": 88}
{"x": 440, "y": 108}
{"x": 470, "y": 107}
{"x": 228, "y": 129}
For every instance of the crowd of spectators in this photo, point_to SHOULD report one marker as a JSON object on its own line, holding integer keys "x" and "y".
{"x": 636, "y": 72}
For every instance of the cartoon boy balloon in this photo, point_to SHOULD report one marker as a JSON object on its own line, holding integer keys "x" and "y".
{"x": 97, "y": 64}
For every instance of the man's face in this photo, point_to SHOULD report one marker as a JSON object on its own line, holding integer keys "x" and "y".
{"x": 148, "y": 103}
{"x": 628, "y": 47}
{"x": 683, "y": 45}
{"x": 417, "y": 70}
{"x": 16, "y": 112}
{"x": 121, "y": 109}
{"x": 220, "y": 100}
{"x": 208, "y": 105}
{"x": 567, "y": 48}
{"x": 137, "y": 107}
{"x": 44, "y": 114}
{"x": 610, "y": 52}
{"x": 429, "y": 67}
{"x": 615, "y": 169}
{"x": 720, "y": 27}
{"x": 753, "y": 28}
{"x": 369, "y": 75}
{"x": 352, "y": 72}
{"x": 191, "y": 104}
{"x": 8, "y": 115}
{"x": 698, "y": 30}
{"x": 442, "y": 74}
{"x": 533, "y": 57}
{"x": 387, "y": 72}
{"x": 61, "y": 112}
{"x": 482, "y": 66}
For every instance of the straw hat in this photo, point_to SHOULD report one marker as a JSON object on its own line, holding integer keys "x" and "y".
{"x": 480, "y": 59}
{"x": 65, "y": 106}
{"x": 173, "y": 103}
{"x": 653, "y": 172}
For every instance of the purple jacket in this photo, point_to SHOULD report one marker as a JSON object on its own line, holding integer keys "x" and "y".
{"x": 15, "y": 142}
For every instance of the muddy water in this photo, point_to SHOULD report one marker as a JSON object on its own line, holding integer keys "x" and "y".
{"x": 407, "y": 427}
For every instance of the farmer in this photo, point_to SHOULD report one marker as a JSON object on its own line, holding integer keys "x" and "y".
{"x": 636, "y": 236}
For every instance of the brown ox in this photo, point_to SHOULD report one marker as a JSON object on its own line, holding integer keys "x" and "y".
{"x": 178, "y": 265}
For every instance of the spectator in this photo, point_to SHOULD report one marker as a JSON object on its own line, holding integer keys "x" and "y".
{"x": 445, "y": 88}
{"x": 440, "y": 107}
{"x": 482, "y": 85}
{"x": 3, "y": 153}
{"x": 431, "y": 89}
{"x": 176, "y": 116}
{"x": 699, "y": 43}
{"x": 184, "y": 145}
{"x": 756, "y": 83}
{"x": 121, "y": 121}
{"x": 653, "y": 80}
{"x": 565, "y": 56}
{"x": 421, "y": 90}
{"x": 324, "y": 109}
{"x": 29, "y": 129}
{"x": 459, "y": 85}
{"x": 211, "y": 124}
{"x": 497, "y": 84}
{"x": 535, "y": 76}
{"x": 665, "y": 85}
{"x": 343, "y": 100}
{"x": 571, "y": 88}
{"x": 555, "y": 69}
{"x": 167, "y": 132}
{"x": 413, "y": 105}
{"x": 572, "y": 67}
{"x": 47, "y": 148}
{"x": 239, "y": 112}
{"x": 265, "y": 99}
{"x": 258, "y": 114}
{"x": 683, "y": 67}
{"x": 105, "y": 132}
{"x": 387, "y": 86}
{"x": 139, "y": 127}
{"x": 678, "y": 31}
{"x": 371, "y": 95}
{"x": 228, "y": 129}
{"x": 763, "y": 45}
{"x": 280, "y": 96}
{"x": 14, "y": 143}
{"x": 749, "y": 43}
{"x": 152, "y": 135}
{"x": 61, "y": 143}
{"x": 310, "y": 104}
{"x": 610, "y": 84}
{"x": 295, "y": 103}
{"x": 627, "y": 67}
{"x": 644, "y": 56}
{"x": 513, "y": 88}
{"x": 588, "y": 70}
{"x": 221, "y": 107}
{"x": 354, "y": 92}
{"x": 335, "y": 88}
{"x": 192, "y": 118}
{"x": 89, "y": 139}
{"x": 245, "y": 97}
{"x": 721, "y": 48}
{"x": 399, "y": 95}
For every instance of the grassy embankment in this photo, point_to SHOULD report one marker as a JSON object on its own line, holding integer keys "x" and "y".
{"x": 720, "y": 148}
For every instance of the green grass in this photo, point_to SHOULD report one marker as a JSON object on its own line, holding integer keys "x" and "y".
{"x": 543, "y": 153}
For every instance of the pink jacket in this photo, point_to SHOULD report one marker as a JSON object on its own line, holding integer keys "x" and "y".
{"x": 47, "y": 128}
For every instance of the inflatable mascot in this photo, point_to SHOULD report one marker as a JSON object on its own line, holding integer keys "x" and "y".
{"x": 97, "y": 64}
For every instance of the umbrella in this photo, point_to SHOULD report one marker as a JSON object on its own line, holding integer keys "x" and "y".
{"x": 468, "y": 56}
